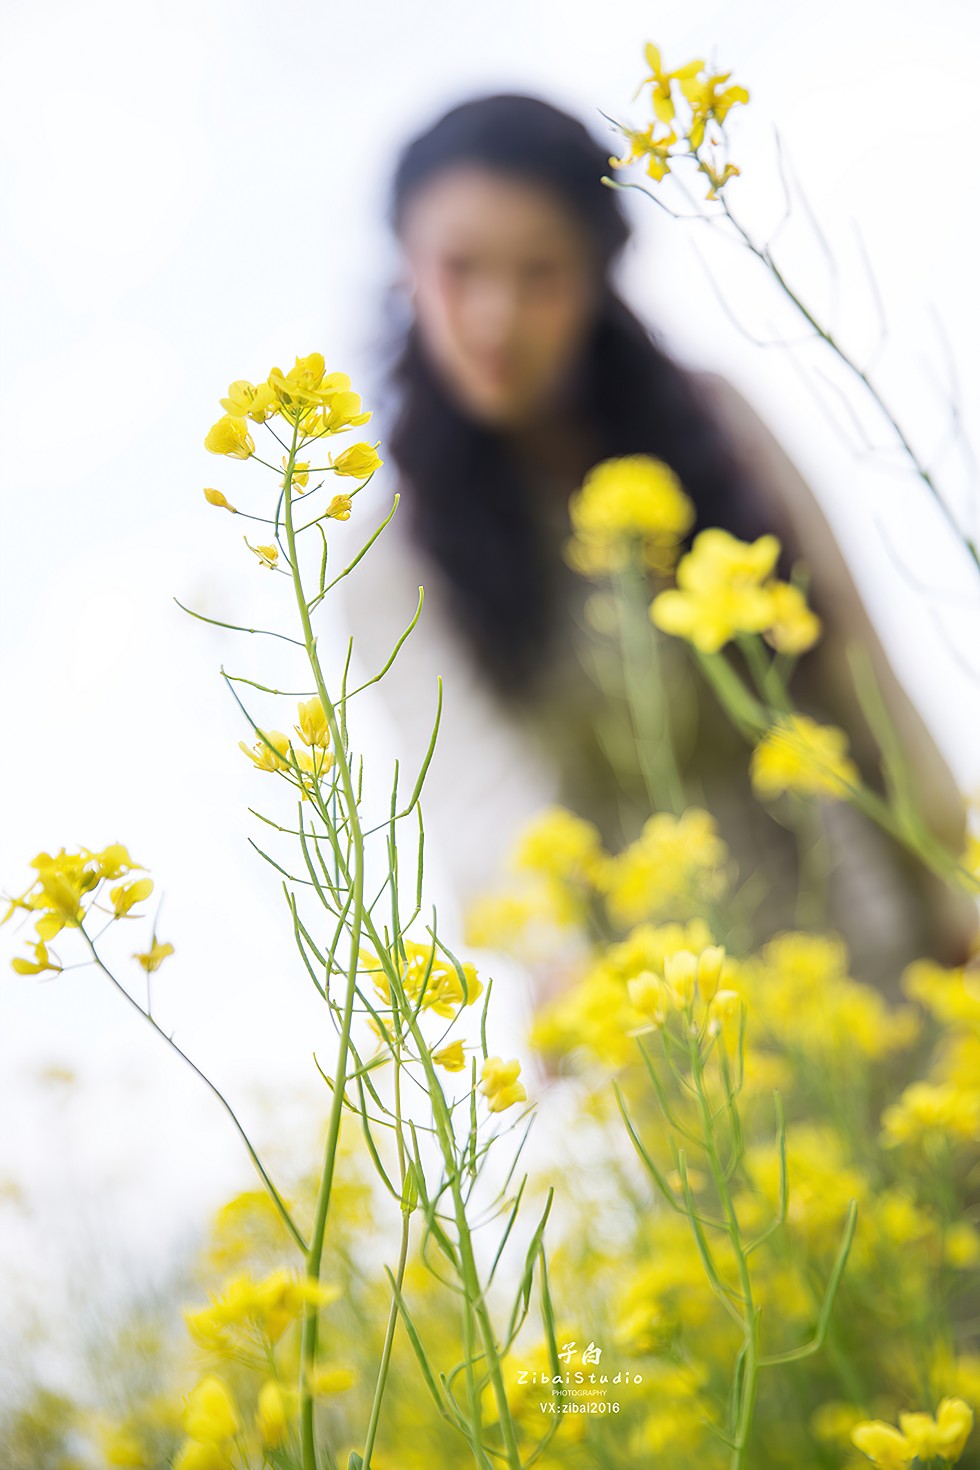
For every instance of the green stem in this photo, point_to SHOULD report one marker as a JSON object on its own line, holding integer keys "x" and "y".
{"x": 314, "y": 1258}
{"x": 762, "y": 254}
{"x": 744, "y": 1409}
{"x": 646, "y": 694}
{"x": 389, "y": 1338}
{"x": 276, "y": 1197}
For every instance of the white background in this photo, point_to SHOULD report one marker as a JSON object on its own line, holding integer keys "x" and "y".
{"x": 193, "y": 192}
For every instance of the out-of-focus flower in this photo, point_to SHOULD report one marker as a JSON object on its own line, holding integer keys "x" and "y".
{"x": 271, "y": 1414}
{"x": 560, "y": 845}
{"x": 885, "y": 1445}
{"x": 210, "y": 1413}
{"x": 326, "y": 1381}
{"x": 195, "y": 1454}
{"x": 710, "y": 101}
{"x": 922, "y": 1437}
{"x": 932, "y": 1111}
{"x": 800, "y": 755}
{"x": 41, "y": 964}
{"x": 943, "y": 1436}
{"x": 794, "y": 627}
{"x": 717, "y": 177}
{"x": 127, "y": 895}
{"x": 152, "y": 958}
{"x": 719, "y": 590}
{"x": 635, "y": 499}
{"x": 676, "y": 866}
{"x": 660, "y": 79}
{"x": 247, "y": 1306}
{"x": 644, "y": 143}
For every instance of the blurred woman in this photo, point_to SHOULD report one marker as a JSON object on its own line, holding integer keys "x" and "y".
{"x": 518, "y": 369}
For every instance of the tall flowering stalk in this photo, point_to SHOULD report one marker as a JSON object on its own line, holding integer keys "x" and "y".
{"x": 395, "y": 1001}
{"x": 698, "y": 1077}
{"x": 686, "y": 137}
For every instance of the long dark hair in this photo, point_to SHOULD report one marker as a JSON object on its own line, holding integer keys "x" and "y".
{"x": 468, "y": 504}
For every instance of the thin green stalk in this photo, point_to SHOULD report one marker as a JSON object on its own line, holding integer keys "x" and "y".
{"x": 280, "y": 1205}
{"x": 310, "y": 1328}
{"x": 646, "y": 694}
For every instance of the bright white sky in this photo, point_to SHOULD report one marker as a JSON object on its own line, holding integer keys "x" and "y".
{"x": 192, "y": 192}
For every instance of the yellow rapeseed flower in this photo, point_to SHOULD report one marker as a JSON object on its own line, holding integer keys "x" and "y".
{"x": 499, "y": 1084}
{"x": 794, "y": 627}
{"x": 230, "y": 436}
{"x": 247, "y": 1305}
{"x": 276, "y": 759}
{"x": 930, "y": 1111}
{"x": 126, "y": 895}
{"x": 558, "y": 844}
{"x": 922, "y": 1437}
{"x": 41, "y": 963}
{"x": 271, "y": 1414}
{"x": 257, "y": 402}
{"x": 452, "y": 1057}
{"x": 341, "y": 410}
{"x": 267, "y": 555}
{"x": 152, "y": 958}
{"x": 359, "y": 461}
{"x": 326, "y": 1381}
{"x": 313, "y": 728}
{"x": 719, "y": 590}
{"x": 644, "y": 143}
{"x": 676, "y": 863}
{"x": 210, "y": 1413}
{"x": 339, "y": 508}
{"x": 944, "y": 1436}
{"x": 649, "y": 994}
{"x": 800, "y": 755}
{"x": 195, "y": 1454}
{"x": 215, "y": 497}
{"x": 883, "y": 1443}
{"x": 660, "y": 79}
{"x": 635, "y": 499}
{"x": 710, "y": 101}
{"x": 113, "y": 861}
{"x": 427, "y": 976}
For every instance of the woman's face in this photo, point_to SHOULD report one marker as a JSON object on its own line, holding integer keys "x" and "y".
{"x": 505, "y": 289}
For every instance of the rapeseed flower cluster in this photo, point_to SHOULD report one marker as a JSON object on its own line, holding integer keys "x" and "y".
{"x": 725, "y": 587}
{"x": 926, "y": 1439}
{"x": 690, "y": 104}
{"x": 69, "y": 887}
{"x": 277, "y": 752}
{"x": 634, "y": 501}
{"x": 316, "y": 403}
